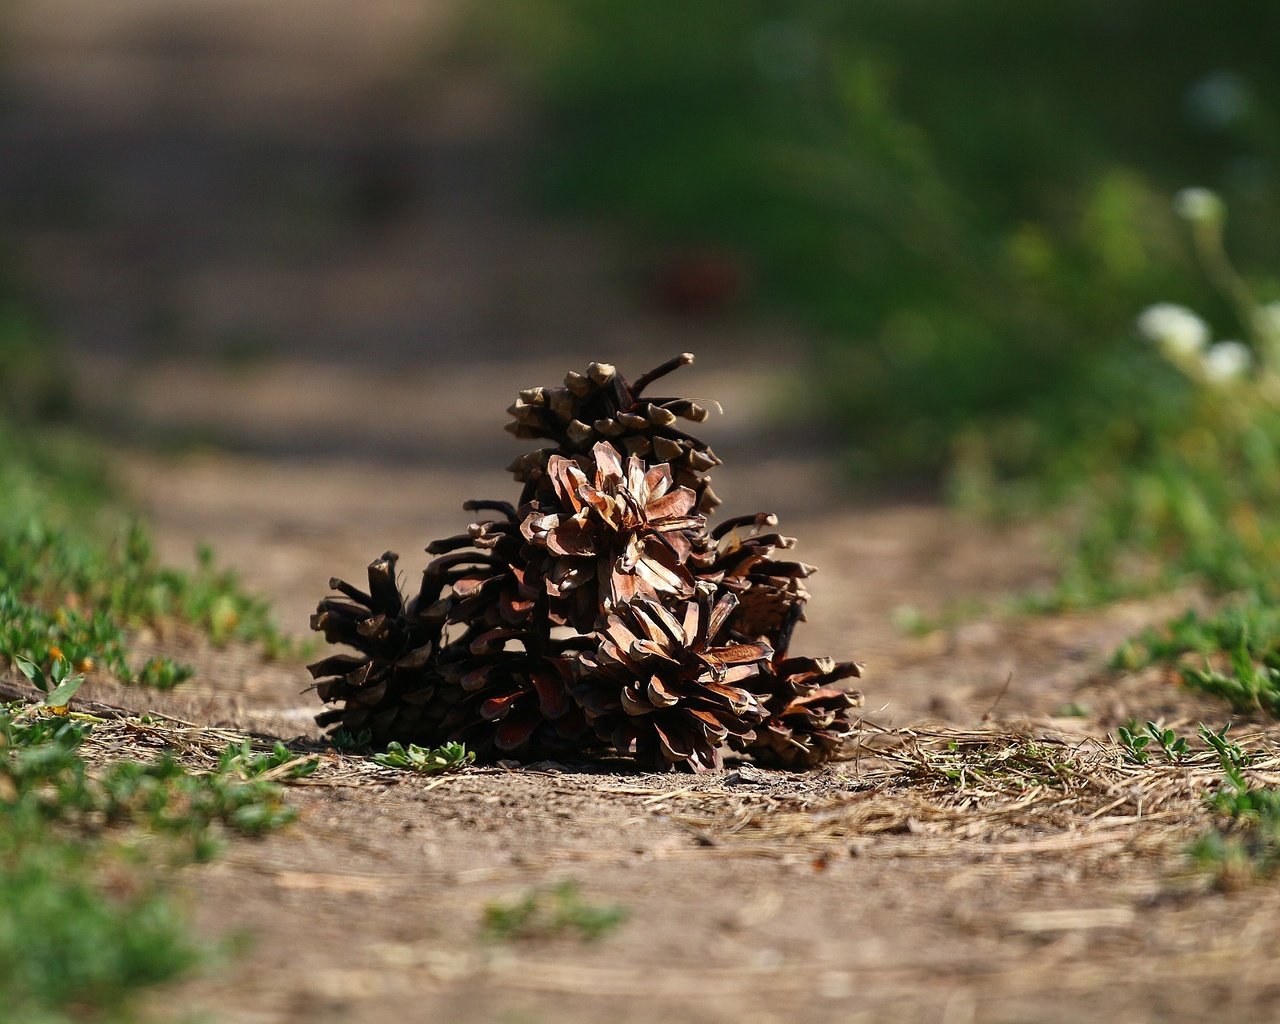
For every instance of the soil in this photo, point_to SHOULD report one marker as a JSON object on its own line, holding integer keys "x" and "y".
{"x": 300, "y": 284}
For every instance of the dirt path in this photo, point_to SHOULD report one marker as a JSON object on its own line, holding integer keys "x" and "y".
{"x": 288, "y": 250}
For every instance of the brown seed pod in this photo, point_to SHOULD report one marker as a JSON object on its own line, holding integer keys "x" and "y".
{"x": 809, "y": 720}
{"x": 665, "y": 686}
{"x": 738, "y": 556}
{"x": 599, "y": 540}
{"x": 601, "y": 405}
{"x": 598, "y": 614}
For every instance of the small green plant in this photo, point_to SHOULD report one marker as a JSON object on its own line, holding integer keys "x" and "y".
{"x": 1135, "y": 745}
{"x": 1252, "y": 623}
{"x": 76, "y": 573}
{"x": 86, "y": 918}
{"x": 547, "y": 913}
{"x": 911, "y": 621}
{"x": 1237, "y": 651}
{"x": 1229, "y": 752}
{"x": 1138, "y": 745}
{"x": 44, "y": 634}
{"x": 1248, "y": 686}
{"x": 168, "y": 800}
{"x": 59, "y": 685}
{"x": 1174, "y": 746}
{"x": 345, "y": 740}
{"x": 426, "y": 761}
{"x": 1244, "y": 803}
{"x": 1245, "y": 843}
{"x": 45, "y": 776}
{"x": 162, "y": 673}
{"x": 280, "y": 762}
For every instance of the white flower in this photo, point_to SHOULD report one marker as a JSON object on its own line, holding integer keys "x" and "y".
{"x": 1198, "y": 205}
{"x": 1226, "y": 361}
{"x": 1174, "y": 328}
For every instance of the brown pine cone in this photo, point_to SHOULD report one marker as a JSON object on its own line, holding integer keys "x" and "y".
{"x": 601, "y": 405}
{"x": 809, "y": 721}
{"x": 664, "y": 687}
{"x": 389, "y": 686}
{"x": 771, "y": 596}
{"x": 603, "y": 539}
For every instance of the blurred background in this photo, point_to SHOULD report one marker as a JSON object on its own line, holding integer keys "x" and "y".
{"x": 290, "y": 262}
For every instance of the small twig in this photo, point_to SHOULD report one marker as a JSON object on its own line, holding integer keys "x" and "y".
{"x": 999, "y": 697}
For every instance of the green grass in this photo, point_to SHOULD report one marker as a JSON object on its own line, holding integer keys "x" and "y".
{"x": 77, "y": 572}
{"x": 87, "y": 918}
{"x": 549, "y": 913}
{"x": 70, "y": 948}
{"x": 1233, "y": 654}
{"x": 87, "y": 915}
{"x": 1244, "y": 844}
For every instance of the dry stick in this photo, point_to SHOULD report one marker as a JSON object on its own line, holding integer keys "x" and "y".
{"x": 999, "y": 697}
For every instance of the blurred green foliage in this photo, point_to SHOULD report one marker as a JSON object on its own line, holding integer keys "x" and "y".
{"x": 33, "y": 383}
{"x": 1233, "y": 653}
{"x": 967, "y": 200}
{"x": 77, "y": 570}
{"x": 87, "y": 913}
{"x": 1244, "y": 844}
{"x": 969, "y": 203}
{"x": 1200, "y": 497}
{"x": 550, "y": 912}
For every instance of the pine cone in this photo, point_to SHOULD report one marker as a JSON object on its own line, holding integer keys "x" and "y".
{"x": 808, "y": 720}
{"x": 517, "y": 704}
{"x": 485, "y": 570}
{"x": 408, "y": 684}
{"x": 516, "y": 701}
{"x": 599, "y": 614}
{"x": 605, "y": 539}
{"x": 661, "y": 688}
{"x": 389, "y": 686}
{"x": 601, "y": 405}
{"x": 771, "y": 597}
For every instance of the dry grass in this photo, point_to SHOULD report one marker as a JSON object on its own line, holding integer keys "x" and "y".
{"x": 996, "y": 791}
{"x": 987, "y": 792}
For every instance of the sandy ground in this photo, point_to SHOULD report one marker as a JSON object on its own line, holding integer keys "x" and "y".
{"x": 288, "y": 250}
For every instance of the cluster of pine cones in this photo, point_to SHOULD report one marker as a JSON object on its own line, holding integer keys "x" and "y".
{"x": 598, "y": 615}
